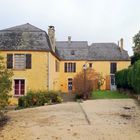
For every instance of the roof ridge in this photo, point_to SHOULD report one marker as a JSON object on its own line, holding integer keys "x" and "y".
{"x": 24, "y": 27}
{"x": 104, "y": 43}
{"x": 72, "y": 41}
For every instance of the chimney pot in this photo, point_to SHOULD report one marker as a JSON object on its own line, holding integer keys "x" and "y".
{"x": 69, "y": 39}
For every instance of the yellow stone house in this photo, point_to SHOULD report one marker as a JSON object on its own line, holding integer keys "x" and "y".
{"x": 39, "y": 62}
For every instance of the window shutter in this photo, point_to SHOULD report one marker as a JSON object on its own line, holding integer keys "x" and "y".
{"x": 65, "y": 67}
{"x": 28, "y": 61}
{"x": 74, "y": 67}
{"x": 9, "y": 61}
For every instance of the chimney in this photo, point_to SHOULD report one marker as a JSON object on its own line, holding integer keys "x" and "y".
{"x": 51, "y": 34}
{"x": 69, "y": 39}
{"x": 121, "y": 44}
{"x": 118, "y": 43}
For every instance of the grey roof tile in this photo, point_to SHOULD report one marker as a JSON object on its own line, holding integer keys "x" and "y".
{"x": 65, "y": 50}
{"x": 24, "y": 37}
{"x": 107, "y": 51}
{"x": 29, "y": 37}
{"x": 97, "y": 51}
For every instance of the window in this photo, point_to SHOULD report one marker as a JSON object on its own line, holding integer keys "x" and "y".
{"x": 57, "y": 66}
{"x": 19, "y": 87}
{"x": 70, "y": 67}
{"x": 113, "y": 68}
{"x": 90, "y": 65}
{"x": 72, "y": 52}
{"x": 19, "y": 61}
{"x": 69, "y": 84}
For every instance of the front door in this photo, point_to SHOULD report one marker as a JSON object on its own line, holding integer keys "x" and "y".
{"x": 69, "y": 84}
{"x": 112, "y": 82}
{"x": 19, "y": 87}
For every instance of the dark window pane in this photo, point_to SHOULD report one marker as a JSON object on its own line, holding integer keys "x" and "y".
{"x": 113, "y": 68}
{"x": 90, "y": 65}
{"x": 69, "y": 84}
{"x": 69, "y": 67}
{"x": 17, "y": 87}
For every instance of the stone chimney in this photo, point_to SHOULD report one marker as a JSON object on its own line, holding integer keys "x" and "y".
{"x": 69, "y": 39}
{"x": 51, "y": 34}
{"x": 121, "y": 44}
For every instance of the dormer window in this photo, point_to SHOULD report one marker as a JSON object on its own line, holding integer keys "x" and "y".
{"x": 72, "y": 52}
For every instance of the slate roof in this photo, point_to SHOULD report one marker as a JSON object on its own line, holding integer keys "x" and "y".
{"x": 24, "y": 37}
{"x": 106, "y": 51}
{"x": 65, "y": 50}
{"x": 29, "y": 37}
{"x": 96, "y": 51}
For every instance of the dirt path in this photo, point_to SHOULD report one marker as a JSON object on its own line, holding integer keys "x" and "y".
{"x": 108, "y": 120}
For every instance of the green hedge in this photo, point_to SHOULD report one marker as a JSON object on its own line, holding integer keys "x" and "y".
{"x": 38, "y": 98}
{"x": 129, "y": 78}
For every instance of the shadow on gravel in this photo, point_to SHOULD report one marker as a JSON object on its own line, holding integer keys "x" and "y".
{"x": 4, "y": 122}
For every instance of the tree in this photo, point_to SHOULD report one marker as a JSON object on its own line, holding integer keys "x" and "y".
{"x": 136, "y": 48}
{"x": 136, "y": 40}
{"x": 5, "y": 85}
{"x": 86, "y": 82}
{"x": 135, "y": 58}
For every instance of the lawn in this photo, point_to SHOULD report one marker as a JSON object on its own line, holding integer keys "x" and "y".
{"x": 108, "y": 95}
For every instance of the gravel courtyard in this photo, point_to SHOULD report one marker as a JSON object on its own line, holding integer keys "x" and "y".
{"x": 117, "y": 119}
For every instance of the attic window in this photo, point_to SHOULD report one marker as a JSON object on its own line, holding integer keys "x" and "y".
{"x": 72, "y": 52}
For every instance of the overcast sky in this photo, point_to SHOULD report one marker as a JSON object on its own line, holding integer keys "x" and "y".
{"x": 89, "y": 20}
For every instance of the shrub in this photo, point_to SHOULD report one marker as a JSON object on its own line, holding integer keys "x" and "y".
{"x": 5, "y": 86}
{"x": 129, "y": 78}
{"x": 136, "y": 77}
{"x": 38, "y": 98}
{"x": 85, "y": 82}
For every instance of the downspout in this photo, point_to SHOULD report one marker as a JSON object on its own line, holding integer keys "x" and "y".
{"x": 48, "y": 80}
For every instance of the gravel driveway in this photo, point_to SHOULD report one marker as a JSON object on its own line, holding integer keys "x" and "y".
{"x": 90, "y": 120}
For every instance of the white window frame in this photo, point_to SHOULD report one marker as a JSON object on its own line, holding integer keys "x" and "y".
{"x": 25, "y": 87}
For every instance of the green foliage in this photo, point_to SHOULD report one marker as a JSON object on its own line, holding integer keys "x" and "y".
{"x": 135, "y": 58}
{"x": 136, "y": 77}
{"x": 78, "y": 96}
{"x": 121, "y": 78}
{"x": 108, "y": 95}
{"x": 5, "y": 84}
{"x": 39, "y": 98}
{"x": 136, "y": 40}
{"x": 100, "y": 81}
{"x": 129, "y": 78}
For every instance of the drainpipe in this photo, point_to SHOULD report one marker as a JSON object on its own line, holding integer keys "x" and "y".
{"x": 48, "y": 77}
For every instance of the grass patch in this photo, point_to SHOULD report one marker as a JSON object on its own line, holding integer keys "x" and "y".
{"x": 108, "y": 95}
